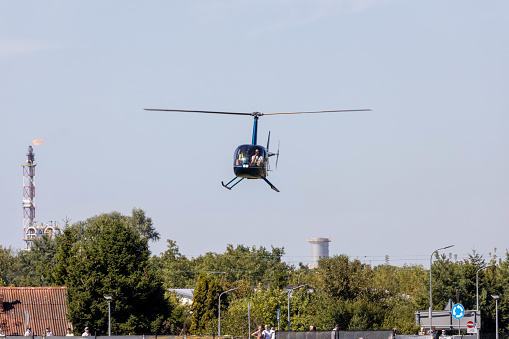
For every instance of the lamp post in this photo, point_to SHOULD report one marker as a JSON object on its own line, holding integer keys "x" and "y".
{"x": 477, "y": 313}
{"x": 108, "y": 297}
{"x": 477, "y": 285}
{"x": 495, "y": 296}
{"x": 219, "y": 311}
{"x": 431, "y": 286}
{"x": 305, "y": 272}
{"x": 290, "y": 292}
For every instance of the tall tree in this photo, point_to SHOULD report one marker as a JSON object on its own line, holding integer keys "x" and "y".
{"x": 446, "y": 280}
{"x": 345, "y": 279}
{"x": 142, "y": 224}
{"x": 205, "y": 303}
{"x": 176, "y": 268}
{"x": 105, "y": 256}
{"x": 34, "y": 267}
{"x": 6, "y": 262}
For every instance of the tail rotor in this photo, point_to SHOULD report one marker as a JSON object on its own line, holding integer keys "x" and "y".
{"x": 271, "y": 154}
{"x": 277, "y": 154}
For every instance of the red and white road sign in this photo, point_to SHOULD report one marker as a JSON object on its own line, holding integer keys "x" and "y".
{"x": 470, "y": 324}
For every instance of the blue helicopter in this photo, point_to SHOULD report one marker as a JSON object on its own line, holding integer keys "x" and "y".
{"x": 251, "y": 161}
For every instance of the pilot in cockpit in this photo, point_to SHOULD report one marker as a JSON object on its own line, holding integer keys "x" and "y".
{"x": 241, "y": 157}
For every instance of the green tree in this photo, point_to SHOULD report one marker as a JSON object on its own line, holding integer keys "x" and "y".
{"x": 345, "y": 279}
{"x": 446, "y": 280}
{"x": 142, "y": 224}
{"x": 103, "y": 256}
{"x": 205, "y": 304}
{"x": 241, "y": 263}
{"x": 35, "y": 267}
{"x": 251, "y": 264}
{"x": 175, "y": 267}
{"x": 6, "y": 263}
{"x": 264, "y": 305}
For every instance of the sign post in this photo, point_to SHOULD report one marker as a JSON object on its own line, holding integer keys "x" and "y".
{"x": 458, "y": 311}
{"x": 471, "y": 327}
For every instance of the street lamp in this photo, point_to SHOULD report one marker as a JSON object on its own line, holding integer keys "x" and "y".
{"x": 477, "y": 313}
{"x": 431, "y": 286}
{"x": 495, "y": 296}
{"x": 108, "y": 297}
{"x": 477, "y": 284}
{"x": 219, "y": 311}
{"x": 290, "y": 292}
{"x": 305, "y": 272}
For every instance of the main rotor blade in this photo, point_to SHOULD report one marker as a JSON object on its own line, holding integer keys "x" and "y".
{"x": 181, "y": 110}
{"x": 342, "y": 110}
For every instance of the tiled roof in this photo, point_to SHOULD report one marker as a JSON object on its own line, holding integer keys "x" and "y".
{"x": 46, "y": 307}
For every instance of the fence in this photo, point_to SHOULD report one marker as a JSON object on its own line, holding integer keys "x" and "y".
{"x": 291, "y": 335}
{"x": 334, "y": 334}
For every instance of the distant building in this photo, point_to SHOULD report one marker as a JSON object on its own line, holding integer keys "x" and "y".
{"x": 185, "y": 294}
{"x": 319, "y": 249}
{"x": 42, "y": 306}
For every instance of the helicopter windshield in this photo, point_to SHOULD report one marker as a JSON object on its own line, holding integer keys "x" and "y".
{"x": 249, "y": 156}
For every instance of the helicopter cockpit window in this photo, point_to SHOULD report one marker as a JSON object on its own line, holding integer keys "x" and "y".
{"x": 255, "y": 156}
{"x": 240, "y": 155}
{"x": 250, "y": 156}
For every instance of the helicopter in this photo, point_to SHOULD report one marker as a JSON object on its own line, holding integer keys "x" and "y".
{"x": 251, "y": 161}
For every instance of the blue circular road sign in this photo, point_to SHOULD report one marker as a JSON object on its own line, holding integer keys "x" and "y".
{"x": 458, "y": 311}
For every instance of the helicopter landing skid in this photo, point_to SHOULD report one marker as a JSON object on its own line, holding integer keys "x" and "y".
{"x": 229, "y": 182}
{"x": 271, "y": 186}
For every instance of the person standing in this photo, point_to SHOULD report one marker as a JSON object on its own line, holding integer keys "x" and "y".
{"x": 28, "y": 332}
{"x": 432, "y": 332}
{"x": 444, "y": 334}
{"x": 335, "y": 332}
{"x": 86, "y": 333}
{"x": 258, "y": 334}
{"x": 48, "y": 332}
{"x": 267, "y": 333}
{"x": 69, "y": 333}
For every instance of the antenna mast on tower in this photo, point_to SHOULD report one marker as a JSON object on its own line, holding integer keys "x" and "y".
{"x": 29, "y": 232}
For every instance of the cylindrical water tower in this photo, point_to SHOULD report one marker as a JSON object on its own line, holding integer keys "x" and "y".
{"x": 319, "y": 249}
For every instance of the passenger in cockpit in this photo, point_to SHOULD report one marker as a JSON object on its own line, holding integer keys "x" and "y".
{"x": 256, "y": 159}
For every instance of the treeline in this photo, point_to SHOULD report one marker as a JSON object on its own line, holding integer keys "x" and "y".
{"x": 109, "y": 255}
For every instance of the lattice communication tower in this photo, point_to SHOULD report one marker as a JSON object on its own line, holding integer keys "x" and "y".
{"x": 30, "y": 229}
{"x": 29, "y": 199}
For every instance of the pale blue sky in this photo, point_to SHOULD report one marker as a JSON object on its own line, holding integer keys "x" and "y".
{"x": 426, "y": 168}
